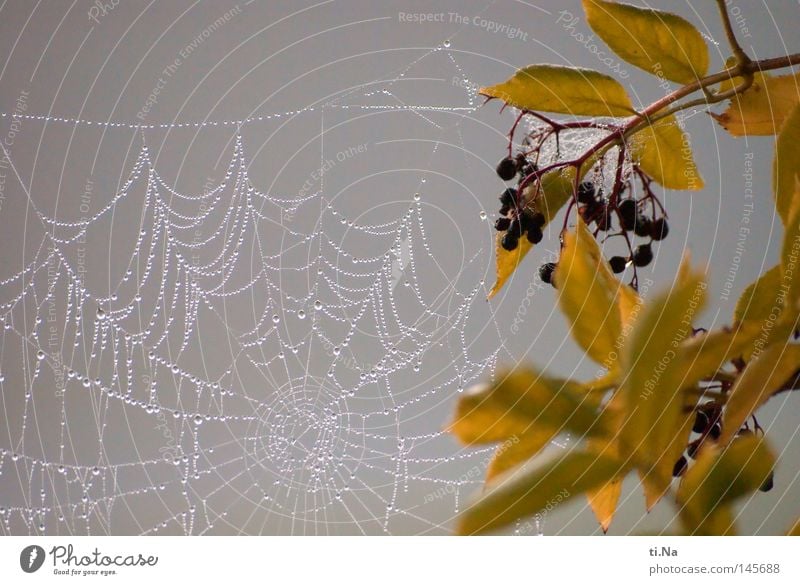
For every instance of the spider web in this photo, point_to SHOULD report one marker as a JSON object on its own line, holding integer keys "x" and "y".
{"x": 254, "y": 363}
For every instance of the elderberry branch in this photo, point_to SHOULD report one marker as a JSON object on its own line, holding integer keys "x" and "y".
{"x": 741, "y": 56}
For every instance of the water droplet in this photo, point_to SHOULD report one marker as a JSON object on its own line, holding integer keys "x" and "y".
{"x": 317, "y": 305}
{"x": 95, "y": 471}
{"x": 101, "y": 314}
{"x": 446, "y": 43}
{"x": 40, "y": 355}
{"x": 301, "y": 314}
{"x": 483, "y": 215}
{"x": 198, "y": 420}
{"x": 417, "y": 196}
{"x": 276, "y": 319}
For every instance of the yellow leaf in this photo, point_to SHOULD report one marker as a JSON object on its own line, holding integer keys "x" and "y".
{"x": 719, "y": 477}
{"x": 603, "y": 501}
{"x": 762, "y": 108}
{"x": 522, "y": 400}
{"x": 659, "y": 42}
{"x": 546, "y": 483}
{"x": 506, "y": 262}
{"x": 663, "y": 150}
{"x": 789, "y": 291}
{"x": 757, "y": 383}
{"x": 760, "y": 298}
{"x": 512, "y": 452}
{"x": 653, "y": 360}
{"x": 554, "y": 190}
{"x": 657, "y": 479}
{"x": 564, "y": 90}
{"x": 706, "y": 353}
{"x": 630, "y": 305}
{"x": 795, "y": 529}
{"x": 588, "y": 295}
{"x": 786, "y": 166}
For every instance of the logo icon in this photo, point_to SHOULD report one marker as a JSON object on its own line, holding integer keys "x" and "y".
{"x": 31, "y": 558}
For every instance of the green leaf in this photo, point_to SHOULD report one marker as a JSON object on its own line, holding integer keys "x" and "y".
{"x": 588, "y": 295}
{"x": 654, "y": 362}
{"x": 563, "y": 90}
{"x": 763, "y": 107}
{"x": 548, "y": 197}
{"x": 757, "y": 383}
{"x": 547, "y": 483}
{"x": 761, "y": 298}
{"x": 520, "y": 401}
{"x": 786, "y": 166}
{"x": 719, "y": 477}
{"x": 659, "y": 42}
{"x": 663, "y": 150}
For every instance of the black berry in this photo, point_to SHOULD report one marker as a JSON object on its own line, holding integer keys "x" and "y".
{"x": 502, "y": 224}
{"x": 515, "y": 228}
{"x": 627, "y": 214}
{"x": 642, "y": 255}
{"x": 700, "y": 422}
{"x": 618, "y": 264}
{"x": 603, "y": 219}
{"x": 642, "y": 227}
{"x": 692, "y": 449}
{"x": 659, "y": 229}
{"x": 509, "y": 241}
{"x": 680, "y": 467}
{"x": 506, "y": 169}
{"x": 509, "y": 198}
{"x": 546, "y": 272}
{"x": 715, "y": 431}
{"x": 769, "y": 483}
{"x": 504, "y": 210}
{"x": 535, "y": 234}
{"x": 586, "y": 193}
{"x": 538, "y": 220}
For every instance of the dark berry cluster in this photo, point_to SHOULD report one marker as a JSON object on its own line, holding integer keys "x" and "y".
{"x": 596, "y": 210}
{"x": 514, "y": 220}
{"x": 708, "y": 424}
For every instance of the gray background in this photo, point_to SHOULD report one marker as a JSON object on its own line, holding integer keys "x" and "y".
{"x": 341, "y": 74}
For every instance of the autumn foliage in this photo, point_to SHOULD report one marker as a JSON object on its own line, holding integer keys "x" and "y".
{"x": 674, "y": 404}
